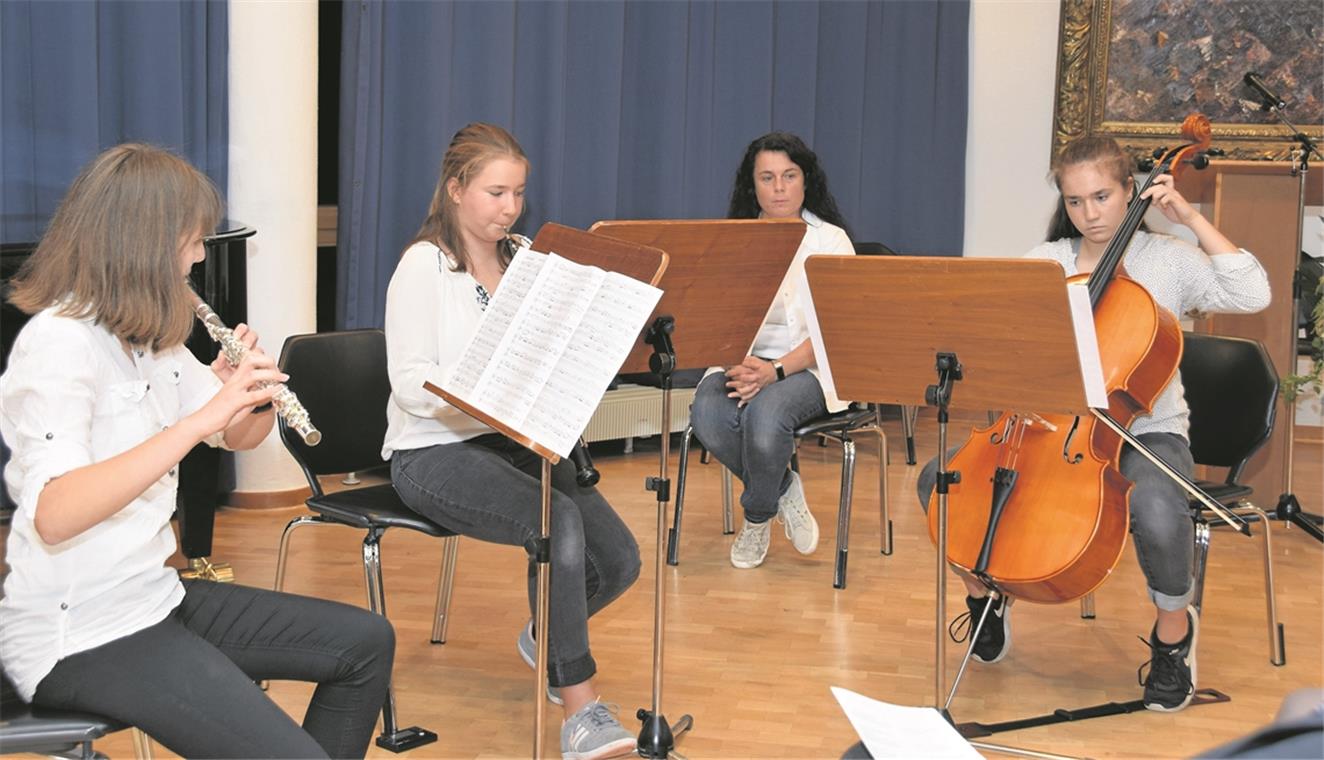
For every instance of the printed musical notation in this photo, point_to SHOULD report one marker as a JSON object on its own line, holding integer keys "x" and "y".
{"x": 550, "y": 341}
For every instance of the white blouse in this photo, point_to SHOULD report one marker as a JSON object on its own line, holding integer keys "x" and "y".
{"x": 785, "y": 325}
{"x": 431, "y": 312}
{"x": 71, "y": 397}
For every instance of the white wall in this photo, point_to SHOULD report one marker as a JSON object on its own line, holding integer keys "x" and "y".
{"x": 1013, "y": 81}
{"x": 273, "y": 188}
{"x": 1013, "y": 77}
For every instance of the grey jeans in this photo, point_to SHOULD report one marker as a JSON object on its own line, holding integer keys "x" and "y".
{"x": 488, "y": 488}
{"x": 1160, "y": 516}
{"x": 189, "y": 680}
{"x": 755, "y": 441}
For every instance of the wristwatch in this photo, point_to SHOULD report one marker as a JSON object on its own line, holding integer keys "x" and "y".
{"x": 781, "y": 371}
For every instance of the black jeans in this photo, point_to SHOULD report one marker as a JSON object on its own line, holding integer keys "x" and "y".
{"x": 189, "y": 681}
{"x": 488, "y": 488}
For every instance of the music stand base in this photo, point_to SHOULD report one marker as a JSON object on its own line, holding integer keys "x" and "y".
{"x": 973, "y": 730}
{"x": 657, "y": 739}
{"x": 406, "y": 739}
{"x": 1289, "y": 511}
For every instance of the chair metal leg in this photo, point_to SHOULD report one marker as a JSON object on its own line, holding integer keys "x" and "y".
{"x": 1201, "y": 560}
{"x": 1087, "y": 606}
{"x": 728, "y": 499}
{"x": 283, "y": 553}
{"x": 441, "y": 617}
{"x": 909, "y": 414}
{"x": 884, "y": 515}
{"x": 142, "y": 744}
{"x": 1277, "y": 649}
{"x": 392, "y": 738}
{"x": 678, "y": 509}
{"x": 843, "y": 510}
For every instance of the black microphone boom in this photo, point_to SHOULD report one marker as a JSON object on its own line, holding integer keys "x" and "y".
{"x": 1269, "y": 99}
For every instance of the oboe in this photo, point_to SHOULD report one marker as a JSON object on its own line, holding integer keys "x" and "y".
{"x": 286, "y": 403}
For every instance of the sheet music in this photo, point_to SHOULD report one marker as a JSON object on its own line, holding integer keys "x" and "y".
{"x": 1087, "y": 345}
{"x": 889, "y": 730}
{"x": 549, "y": 343}
{"x": 519, "y": 277}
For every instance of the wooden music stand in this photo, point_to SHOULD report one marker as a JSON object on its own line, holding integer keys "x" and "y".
{"x": 1001, "y": 327}
{"x": 721, "y": 279}
{"x": 640, "y": 262}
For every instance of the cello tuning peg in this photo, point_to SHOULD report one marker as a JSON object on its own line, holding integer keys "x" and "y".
{"x": 1215, "y": 152}
{"x": 1145, "y": 165}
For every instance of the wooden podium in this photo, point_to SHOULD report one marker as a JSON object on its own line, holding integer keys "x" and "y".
{"x": 1255, "y": 203}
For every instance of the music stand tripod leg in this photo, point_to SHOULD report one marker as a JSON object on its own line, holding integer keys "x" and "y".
{"x": 543, "y": 558}
{"x": 949, "y": 371}
{"x": 657, "y": 739}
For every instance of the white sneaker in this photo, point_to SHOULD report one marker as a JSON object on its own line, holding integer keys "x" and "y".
{"x": 793, "y": 511}
{"x": 751, "y": 546}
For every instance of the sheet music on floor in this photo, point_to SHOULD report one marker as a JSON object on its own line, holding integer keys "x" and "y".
{"x": 889, "y": 730}
{"x": 551, "y": 339}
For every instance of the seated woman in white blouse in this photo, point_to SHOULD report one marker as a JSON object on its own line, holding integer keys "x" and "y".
{"x": 100, "y": 402}
{"x": 747, "y": 416}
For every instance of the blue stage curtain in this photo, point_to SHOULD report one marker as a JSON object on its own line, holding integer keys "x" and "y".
{"x": 637, "y": 110}
{"x": 79, "y": 77}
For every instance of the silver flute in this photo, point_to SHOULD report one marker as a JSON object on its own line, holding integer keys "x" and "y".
{"x": 286, "y": 403}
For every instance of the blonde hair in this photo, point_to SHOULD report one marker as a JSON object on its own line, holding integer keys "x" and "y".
{"x": 470, "y": 150}
{"x": 112, "y": 249}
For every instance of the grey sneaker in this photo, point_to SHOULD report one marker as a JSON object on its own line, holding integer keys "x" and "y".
{"x": 793, "y": 511}
{"x": 751, "y": 545}
{"x": 528, "y": 651}
{"x": 594, "y": 733}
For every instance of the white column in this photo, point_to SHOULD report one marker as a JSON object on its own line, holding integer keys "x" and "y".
{"x": 1013, "y": 64}
{"x": 273, "y": 188}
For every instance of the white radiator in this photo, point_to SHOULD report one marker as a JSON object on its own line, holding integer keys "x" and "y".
{"x": 635, "y": 411}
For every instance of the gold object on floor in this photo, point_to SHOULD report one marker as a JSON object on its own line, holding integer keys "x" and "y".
{"x": 202, "y": 568}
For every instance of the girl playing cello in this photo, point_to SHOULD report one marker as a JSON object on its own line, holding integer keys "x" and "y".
{"x": 1094, "y": 178}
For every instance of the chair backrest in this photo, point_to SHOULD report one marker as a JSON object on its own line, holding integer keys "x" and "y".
{"x": 340, "y": 378}
{"x": 873, "y": 249}
{"x": 1232, "y": 390}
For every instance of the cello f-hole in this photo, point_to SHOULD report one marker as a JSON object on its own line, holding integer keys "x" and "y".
{"x": 1066, "y": 446}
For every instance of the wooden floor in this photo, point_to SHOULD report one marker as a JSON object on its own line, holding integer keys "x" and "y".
{"x": 751, "y": 654}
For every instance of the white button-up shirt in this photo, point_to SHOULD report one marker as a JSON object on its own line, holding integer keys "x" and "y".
{"x": 785, "y": 325}
{"x": 71, "y": 397}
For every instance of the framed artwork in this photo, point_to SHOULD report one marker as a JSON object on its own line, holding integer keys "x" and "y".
{"x": 1134, "y": 69}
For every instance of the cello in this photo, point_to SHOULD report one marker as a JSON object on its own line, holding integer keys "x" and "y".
{"x": 1041, "y": 511}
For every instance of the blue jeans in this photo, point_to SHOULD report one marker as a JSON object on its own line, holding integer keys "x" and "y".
{"x": 1160, "y": 516}
{"x": 488, "y": 488}
{"x": 188, "y": 681}
{"x": 756, "y": 441}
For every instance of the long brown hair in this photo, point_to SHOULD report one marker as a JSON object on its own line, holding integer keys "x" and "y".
{"x": 112, "y": 249}
{"x": 1083, "y": 150}
{"x": 470, "y": 150}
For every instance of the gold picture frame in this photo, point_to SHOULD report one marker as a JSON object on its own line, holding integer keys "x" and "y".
{"x": 1086, "y": 36}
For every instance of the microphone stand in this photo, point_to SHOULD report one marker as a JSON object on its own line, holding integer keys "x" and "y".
{"x": 1289, "y": 508}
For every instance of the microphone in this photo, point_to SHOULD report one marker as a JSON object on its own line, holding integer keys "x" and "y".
{"x": 586, "y": 475}
{"x": 1269, "y": 100}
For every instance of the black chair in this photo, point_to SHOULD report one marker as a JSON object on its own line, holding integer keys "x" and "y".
{"x": 340, "y": 378}
{"x": 1232, "y": 391}
{"x": 38, "y": 730}
{"x": 873, "y": 249}
{"x": 839, "y": 427}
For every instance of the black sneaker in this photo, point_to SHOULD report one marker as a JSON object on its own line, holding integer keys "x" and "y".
{"x": 995, "y": 637}
{"x": 1170, "y": 682}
